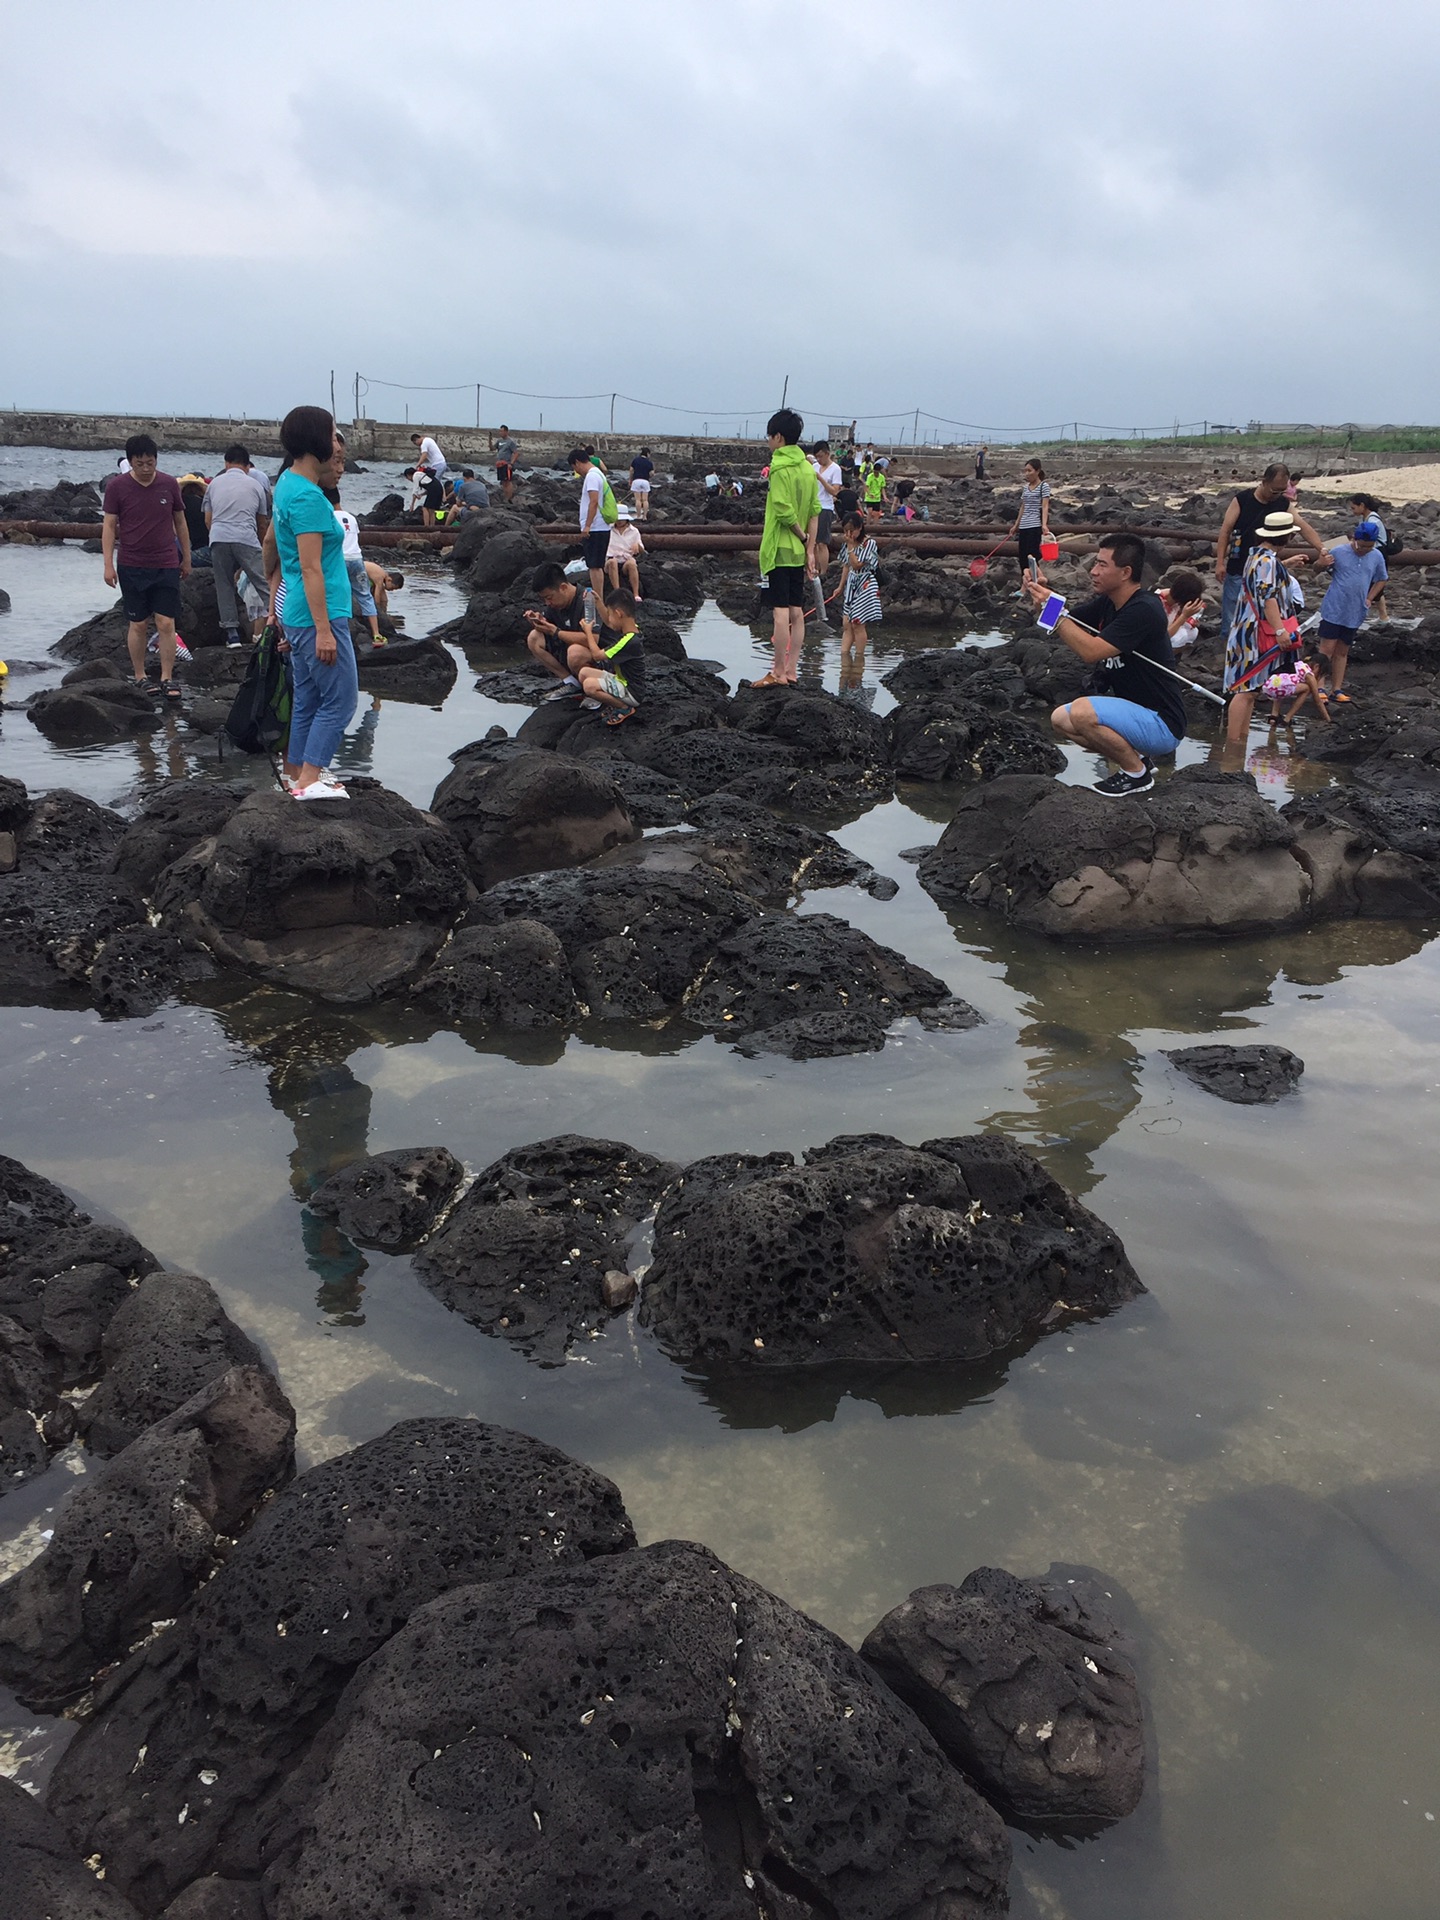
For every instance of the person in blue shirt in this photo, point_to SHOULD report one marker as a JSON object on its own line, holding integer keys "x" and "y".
{"x": 1358, "y": 576}
{"x": 310, "y": 543}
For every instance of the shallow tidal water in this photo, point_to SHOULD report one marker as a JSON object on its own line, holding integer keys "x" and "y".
{"x": 1248, "y": 1452}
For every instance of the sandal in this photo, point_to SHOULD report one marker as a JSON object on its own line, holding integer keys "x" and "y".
{"x": 771, "y": 679}
{"x": 1342, "y": 698}
{"x": 620, "y": 716}
{"x": 170, "y": 692}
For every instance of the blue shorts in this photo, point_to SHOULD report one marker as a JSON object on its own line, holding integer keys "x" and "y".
{"x": 1137, "y": 726}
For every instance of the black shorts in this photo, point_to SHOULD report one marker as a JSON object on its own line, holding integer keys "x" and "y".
{"x": 147, "y": 591}
{"x": 1329, "y": 631}
{"x": 597, "y": 547}
{"x": 504, "y": 471}
{"x": 784, "y": 587}
{"x": 824, "y": 524}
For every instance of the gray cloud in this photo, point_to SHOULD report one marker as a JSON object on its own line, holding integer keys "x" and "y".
{"x": 1011, "y": 217}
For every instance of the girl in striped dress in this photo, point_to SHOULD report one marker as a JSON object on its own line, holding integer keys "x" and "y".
{"x": 859, "y": 598}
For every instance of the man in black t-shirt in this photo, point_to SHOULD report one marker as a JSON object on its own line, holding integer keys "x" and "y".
{"x": 556, "y": 625}
{"x": 1134, "y": 713}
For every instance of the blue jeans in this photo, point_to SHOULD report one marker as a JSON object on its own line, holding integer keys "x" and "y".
{"x": 360, "y": 586}
{"x": 1229, "y": 601}
{"x": 325, "y": 697}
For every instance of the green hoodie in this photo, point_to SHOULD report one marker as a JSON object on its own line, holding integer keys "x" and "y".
{"x": 793, "y": 501}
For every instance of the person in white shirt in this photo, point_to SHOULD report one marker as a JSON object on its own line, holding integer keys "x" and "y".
{"x": 594, "y": 527}
{"x": 429, "y": 455}
{"x": 355, "y": 566}
{"x": 830, "y": 478}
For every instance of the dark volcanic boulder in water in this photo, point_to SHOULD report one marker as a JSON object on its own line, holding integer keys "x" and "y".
{"x": 77, "y": 501}
{"x": 41, "y": 1871}
{"x": 780, "y": 967}
{"x": 816, "y": 1036}
{"x": 636, "y": 942}
{"x": 133, "y": 1541}
{"x": 173, "y": 818}
{"x": 392, "y": 1199}
{"x": 1021, "y": 1684}
{"x": 525, "y": 1253}
{"x": 948, "y": 1251}
{"x": 87, "y": 716}
{"x": 103, "y": 636}
{"x": 958, "y": 739}
{"x": 515, "y": 975}
{"x": 275, "y": 867}
{"x": 250, "y": 1673}
{"x": 477, "y": 531}
{"x": 1373, "y": 845}
{"x": 167, "y": 1341}
{"x": 654, "y": 1734}
{"x": 59, "y": 901}
{"x": 754, "y": 852}
{"x": 1201, "y": 854}
{"x": 422, "y": 670}
{"x": 827, "y": 735}
{"x": 531, "y": 814}
{"x": 1250, "y": 1076}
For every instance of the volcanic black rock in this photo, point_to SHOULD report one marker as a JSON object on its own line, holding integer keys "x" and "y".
{"x": 654, "y": 1735}
{"x": 41, "y": 1872}
{"x": 393, "y": 1199}
{"x": 422, "y": 670}
{"x": 250, "y": 1673}
{"x": 1249, "y": 1076}
{"x": 525, "y": 1253}
{"x": 531, "y": 814}
{"x": 1022, "y": 1685}
{"x": 875, "y": 1252}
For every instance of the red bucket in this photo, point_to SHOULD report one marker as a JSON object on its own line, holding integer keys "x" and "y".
{"x": 1049, "y": 549}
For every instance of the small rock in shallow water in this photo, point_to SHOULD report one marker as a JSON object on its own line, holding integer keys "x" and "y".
{"x": 1248, "y": 1076}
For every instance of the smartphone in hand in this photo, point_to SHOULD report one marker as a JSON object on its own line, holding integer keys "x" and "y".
{"x": 1050, "y": 615}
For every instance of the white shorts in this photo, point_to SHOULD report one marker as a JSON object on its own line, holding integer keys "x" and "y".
{"x": 639, "y": 486}
{"x": 612, "y": 684}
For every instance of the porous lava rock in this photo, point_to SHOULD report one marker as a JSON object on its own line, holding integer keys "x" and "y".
{"x": 1202, "y": 854}
{"x": 70, "y": 500}
{"x": 138, "y": 968}
{"x": 744, "y": 1758}
{"x": 43, "y": 1876}
{"x": 476, "y": 531}
{"x": 346, "y": 901}
{"x": 1248, "y": 1076}
{"x": 780, "y": 967}
{"x": 390, "y": 1200}
{"x": 89, "y": 715}
{"x": 754, "y": 852}
{"x": 1373, "y": 845}
{"x": 133, "y": 1541}
{"x": 514, "y": 975}
{"x": 524, "y": 1255}
{"x": 636, "y": 942}
{"x": 507, "y": 552}
{"x": 226, "y": 1703}
{"x": 1021, "y": 1683}
{"x": 422, "y": 669}
{"x": 531, "y": 814}
{"x": 874, "y": 1251}
{"x": 166, "y": 1341}
{"x": 816, "y": 1036}
{"x": 952, "y": 738}
{"x": 215, "y": 1899}
{"x": 103, "y": 636}
{"x": 827, "y": 735}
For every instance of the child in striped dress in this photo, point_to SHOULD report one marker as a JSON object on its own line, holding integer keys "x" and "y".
{"x": 859, "y": 598}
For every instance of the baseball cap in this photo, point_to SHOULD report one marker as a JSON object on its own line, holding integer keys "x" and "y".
{"x": 1367, "y": 530}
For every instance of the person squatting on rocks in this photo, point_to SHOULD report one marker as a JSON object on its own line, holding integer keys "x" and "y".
{"x": 1265, "y": 634}
{"x": 145, "y": 516}
{"x": 557, "y": 624}
{"x": 470, "y": 495}
{"x": 859, "y": 599}
{"x": 355, "y": 567}
{"x": 1358, "y": 576}
{"x": 311, "y": 550}
{"x": 192, "y": 499}
{"x": 787, "y": 543}
{"x": 1183, "y": 598}
{"x": 237, "y": 512}
{"x": 1237, "y": 536}
{"x": 613, "y": 674}
{"x": 1134, "y": 714}
{"x": 505, "y": 454}
{"x": 1031, "y": 526}
{"x": 594, "y": 527}
{"x": 642, "y": 468}
{"x": 623, "y": 553}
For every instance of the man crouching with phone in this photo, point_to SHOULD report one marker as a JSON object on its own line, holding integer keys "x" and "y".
{"x": 1134, "y": 713}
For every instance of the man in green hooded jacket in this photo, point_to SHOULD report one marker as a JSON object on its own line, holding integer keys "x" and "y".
{"x": 787, "y": 546}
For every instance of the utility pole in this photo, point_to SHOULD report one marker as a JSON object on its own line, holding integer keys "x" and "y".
{"x": 915, "y": 436}
{"x": 612, "y": 413}
{"x": 356, "y": 414}
{"x": 477, "y": 406}
{"x": 785, "y": 393}
{"x": 332, "y": 393}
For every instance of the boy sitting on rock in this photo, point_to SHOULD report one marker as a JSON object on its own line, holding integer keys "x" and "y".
{"x": 611, "y": 664}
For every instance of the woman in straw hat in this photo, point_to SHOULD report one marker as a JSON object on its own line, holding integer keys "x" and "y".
{"x": 1265, "y": 631}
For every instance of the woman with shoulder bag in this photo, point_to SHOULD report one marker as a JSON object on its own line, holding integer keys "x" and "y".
{"x": 1266, "y": 632}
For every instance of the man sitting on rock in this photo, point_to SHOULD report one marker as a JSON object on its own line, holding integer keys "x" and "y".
{"x": 1135, "y": 713}
{"x": 471, "y": 494}
{"x": 556, "y": 625}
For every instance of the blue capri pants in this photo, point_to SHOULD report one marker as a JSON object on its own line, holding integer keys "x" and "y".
{"x": 325, "y": 697}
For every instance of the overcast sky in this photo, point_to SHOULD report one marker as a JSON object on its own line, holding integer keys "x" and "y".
{"x": 1008, "y": 215}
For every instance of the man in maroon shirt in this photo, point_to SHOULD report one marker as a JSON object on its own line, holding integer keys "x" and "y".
{"x": 144, "y": 510}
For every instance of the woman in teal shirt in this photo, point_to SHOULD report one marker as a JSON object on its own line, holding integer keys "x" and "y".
{"x": 311, "y": 546}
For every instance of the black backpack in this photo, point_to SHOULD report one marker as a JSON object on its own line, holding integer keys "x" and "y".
{"x": 260, "y": 713}
{"x": 1390, "y": 546}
